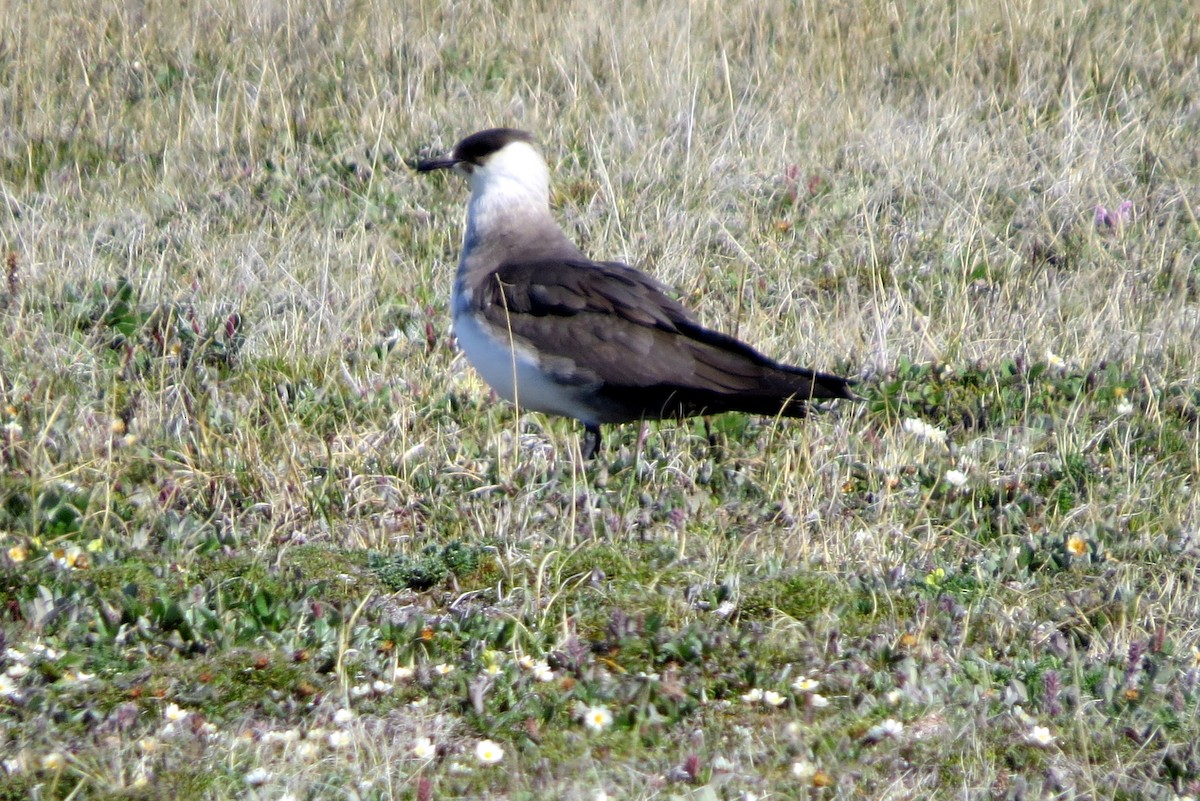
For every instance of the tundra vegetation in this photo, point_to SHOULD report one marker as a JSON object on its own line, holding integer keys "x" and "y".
{"x": 264, "y": 534}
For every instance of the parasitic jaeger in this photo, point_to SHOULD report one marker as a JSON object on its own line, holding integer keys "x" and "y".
{"x": 554, "y": 331}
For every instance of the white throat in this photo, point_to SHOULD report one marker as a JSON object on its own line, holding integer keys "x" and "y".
{"x": 509, "y": 192}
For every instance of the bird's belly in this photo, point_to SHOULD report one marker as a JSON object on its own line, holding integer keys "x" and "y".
{"x": 512, "y": 370}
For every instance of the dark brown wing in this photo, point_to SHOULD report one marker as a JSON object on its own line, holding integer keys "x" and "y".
{"x": 612, "y": 328}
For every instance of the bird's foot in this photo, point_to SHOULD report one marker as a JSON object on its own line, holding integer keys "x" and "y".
{"x": 591, "y": 442}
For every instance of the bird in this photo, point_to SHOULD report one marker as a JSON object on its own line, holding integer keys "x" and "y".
{"x": 553, "y": 331}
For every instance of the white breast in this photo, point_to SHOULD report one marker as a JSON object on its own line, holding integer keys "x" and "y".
{"x": 512, "y": 369}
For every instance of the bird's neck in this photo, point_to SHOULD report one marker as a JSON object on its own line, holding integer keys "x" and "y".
{"x": 505, "y": 212}
{"x": 506, "y": 223}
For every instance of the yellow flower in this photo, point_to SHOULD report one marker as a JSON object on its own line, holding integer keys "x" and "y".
{"x": 1076, "y": 546}
{"x": 18, "y": 553}
{"x": 54, "y": 761}
{"x": 822, "y": 779}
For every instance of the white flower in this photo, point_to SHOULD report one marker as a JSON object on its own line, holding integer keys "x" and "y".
{"x": 772, "y": 698}
{"x": 1124, "y": 408}
{"x": 17, "y": 670}
{"x": 922, "y": 430}
{"x": 257, "y": 777}
{"x": 308, "y": 750}
{"x": 283, "y": 737}
{"x": 542, "y": 672}
{"x": 443, "y": 669}
{"x": 339, "y": 739}
{"x": 884, "y": 729}
{"x": 1054, "y": 360}
{"x": 803, "y": 769}
{"x": 402, "y": 673}
{"x": 492, "y": 669}
{"x": 894, "y": 697}
{"x": 343, "y": 717}
{"x": 488, "y": 752}
{"x": 381, "y": 687}
{"x": 360, "y": 690}
{"x": 69, "y": 558}
{"x": 956, "y": 478}
{"x": 174, "y": 714}
{"x": 754, "y": 696}
{"x": 803, "y": 684}
{"x": 424, "y": 748}
{"x": 527, "y": 662}
{"x": 9, "y": 687}
{"x": 53, "y": 761}
{"x": 726, "y": 609}
{"x": 45, "y": 651}
{"x": 818, "y": 701}
{"x": 597, "y": 718}
{"x": 1040, "y": 736}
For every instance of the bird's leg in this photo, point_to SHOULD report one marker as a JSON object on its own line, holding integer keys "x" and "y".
{"x": 591, "y": 441}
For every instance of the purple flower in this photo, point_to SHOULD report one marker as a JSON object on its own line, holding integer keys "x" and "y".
{"x": 1112, "y": 220}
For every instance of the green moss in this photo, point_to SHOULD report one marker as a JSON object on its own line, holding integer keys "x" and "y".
{"x": 802, "y": 596}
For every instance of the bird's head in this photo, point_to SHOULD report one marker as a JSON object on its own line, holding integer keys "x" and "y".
{"x": 499, "y": 162}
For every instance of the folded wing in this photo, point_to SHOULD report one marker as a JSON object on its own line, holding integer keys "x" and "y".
{"x": 607, "y": 328}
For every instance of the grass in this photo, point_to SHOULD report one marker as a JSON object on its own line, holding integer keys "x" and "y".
{"x": 262, "y": 529}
